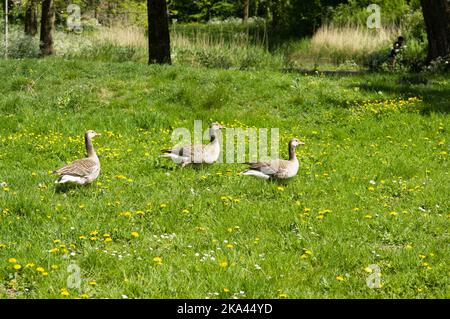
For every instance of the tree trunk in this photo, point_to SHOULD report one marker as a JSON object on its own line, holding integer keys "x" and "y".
{"x": 31, "y": 20}
{"x": 436, "y": 14}
{"x": 246, "y": 10}
{"x": 158, "y": 32}
{"x": 47, "y": 27}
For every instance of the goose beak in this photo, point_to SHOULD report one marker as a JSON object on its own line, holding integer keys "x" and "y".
{"x": 301, "y": 143}
{"x": 98, "y": 134}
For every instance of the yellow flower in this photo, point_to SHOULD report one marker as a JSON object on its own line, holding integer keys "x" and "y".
{"x": 185, "y": 211}
{"x": 54, "y": 267}
{"x": 17, "y": 267}
{"x": 54, "y": 250}
{"x": 108, "y": 240}
{"x": 340, "y": 278}
{"x": 282, "y": 295}
{"x": 93, "y": 233}
{"x": 393, "y": 213}
{"x": 280, "y": 188}
{"x": 82, "y": 237}
{"x": 368, "y": 216}
{"x": 40, "y": 269}
{"x": 223, "y": 264}
{"x": 93, "y": 238}
{"x": 157, "y": 260}
{"x": 226, "y": 290}
{"x": 163, "y": 205}
{"x": 29, "y": 265}
{"x": 92, "y": 283}
{"x": 45, "y": 274}
{"x": 84, "y": 296}
{"x": 12, "y": 260}
{"x": 64, "y": 292}
{"x": 368, "y": 270}
{"x": 135, "y": 234}
{"x": 231, "y": 246}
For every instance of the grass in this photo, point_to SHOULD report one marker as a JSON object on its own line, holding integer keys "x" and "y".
{"x": 227, "y": 46}
{"x": 372, "y": 188}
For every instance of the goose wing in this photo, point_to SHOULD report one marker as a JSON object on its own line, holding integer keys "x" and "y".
{"x": 82, "y": 167}
{"x": 188, "y": 151}
{"x": 273, "y": 167}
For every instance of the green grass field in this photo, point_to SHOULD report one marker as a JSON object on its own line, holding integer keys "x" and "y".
{"x": 373, "y": 186}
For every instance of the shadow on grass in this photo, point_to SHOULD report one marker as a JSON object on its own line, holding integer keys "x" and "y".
{"x": 64, "y": 188}
{"x": 435, "y": 96}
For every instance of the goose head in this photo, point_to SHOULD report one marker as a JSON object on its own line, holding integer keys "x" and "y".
{"x": 295, "y": 142}
{"x": 91, "y": 134}
{"x": 215, "y": 126}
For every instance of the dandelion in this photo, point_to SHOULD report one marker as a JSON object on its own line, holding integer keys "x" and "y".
{"x": 368, "y": 270}
{"x": 340, "y": 278}
{"x": 163, "y": 205}
{"x": 12, "y": 260}
{"x": 64, "y": 292}
{"x": 280, "y": 188}
{"x": 93, "y": 233}
{"x": 84, "y": 296}
{"x": 108, "y": 240}
{"x": 82, "y": 237}
{"x": 230, "y": 246}
{"x": 54, "y": 267}
{"x": 157, "y": 260}
{"x": 92, "y": 283}
{"x": 29, "y": 265}
{"x": 223, "y": 264}
{"x": 185, "y": 211}
{"x": 17, "y": 267}
{"x": 226, "y": 290}
{"x": 135, "y": 234}
{"x": 368, "y": 216}
{"x": 40, "y": 269}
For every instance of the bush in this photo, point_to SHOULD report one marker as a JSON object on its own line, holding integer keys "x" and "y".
{"x": 21, "y": 46}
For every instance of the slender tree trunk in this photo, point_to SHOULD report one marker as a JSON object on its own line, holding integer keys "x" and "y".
{"x": 31, "y": 20}
{"x": 436, "y": 14}
{"x": 158, "y": 32}
{"x": 47, "y": 27}
{"x": 246, "y": 10}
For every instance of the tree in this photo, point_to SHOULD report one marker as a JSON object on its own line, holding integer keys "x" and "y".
{"x": 246, "y": 10}
{"x": 47, "y": 27}
{"x": 31, "y": 20}
{"x": 436, "y": 14}
{"x": 158, "y": 32}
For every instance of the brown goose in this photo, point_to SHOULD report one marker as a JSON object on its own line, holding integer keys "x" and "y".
{"x": 277, "y": 168}
{"x": 82, "y": 171}
{"x": 197, "y": 153}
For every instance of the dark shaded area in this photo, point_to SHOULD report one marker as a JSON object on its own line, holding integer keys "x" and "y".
{"x": 434, "y": 100}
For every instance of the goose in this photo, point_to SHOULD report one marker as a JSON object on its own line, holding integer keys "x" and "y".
{"x": 277, "y": 168}
{"x": 197, "y": 153}
{"x": 82, "y": 171}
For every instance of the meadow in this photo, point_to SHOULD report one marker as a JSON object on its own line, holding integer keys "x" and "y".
{"x": 372, "y": 188}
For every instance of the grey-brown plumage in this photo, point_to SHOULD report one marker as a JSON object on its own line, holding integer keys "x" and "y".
{"x": 82, "y": 171}
{"x": 197, "y": 153}
{"x": 277, "y": 168}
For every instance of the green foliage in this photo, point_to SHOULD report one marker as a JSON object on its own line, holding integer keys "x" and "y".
{"x": 372, "y": 187}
